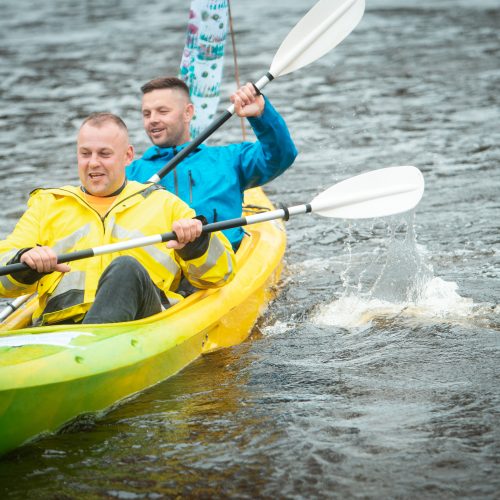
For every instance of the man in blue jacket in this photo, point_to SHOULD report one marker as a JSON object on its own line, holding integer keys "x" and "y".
{"x": 211, "y": 179}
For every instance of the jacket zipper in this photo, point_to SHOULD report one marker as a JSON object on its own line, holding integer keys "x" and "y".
{"x": 176, "y": 181}
{"x": 191, "y": 185}
{"x": 95, "y": 211}
{"x": 89, "y": 206}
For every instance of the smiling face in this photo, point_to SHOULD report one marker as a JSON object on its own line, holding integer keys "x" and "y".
{"x": 166, "y": 115}
{"x": 103, "y": 153}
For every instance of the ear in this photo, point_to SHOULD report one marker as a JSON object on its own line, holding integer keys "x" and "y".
{"x": 188, "y": 112}
{"x": 129, "y": 155}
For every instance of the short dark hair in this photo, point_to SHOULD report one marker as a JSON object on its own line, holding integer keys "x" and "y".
{"x": 165, "y": 82}
{"x": 99, "y": 118}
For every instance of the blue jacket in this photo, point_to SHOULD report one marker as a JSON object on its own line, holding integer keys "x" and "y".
{"x": 212, "y": 179}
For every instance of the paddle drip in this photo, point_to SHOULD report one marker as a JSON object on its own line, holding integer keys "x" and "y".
{"x": 404, "y": 273}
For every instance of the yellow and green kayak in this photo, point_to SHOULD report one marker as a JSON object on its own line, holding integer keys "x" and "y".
{"x": 50, "y": 375}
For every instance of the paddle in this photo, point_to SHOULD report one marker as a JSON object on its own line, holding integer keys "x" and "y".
{"x": 318, "y": 32}
{"x": 13, "y": 306}
{"x": 378, "y": 193}
{"x": 324, "y": 26}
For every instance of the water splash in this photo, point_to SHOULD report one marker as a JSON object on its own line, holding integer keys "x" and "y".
{"x": 398, "y": 281}
{"x": 439, "y": 301}
{"x": 277, "y": 328}
{"x": 406, "y": 273}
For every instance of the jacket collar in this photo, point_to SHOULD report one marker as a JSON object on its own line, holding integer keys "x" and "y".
{"x": 130, "y": 189}
{"x": 155, "y": 152}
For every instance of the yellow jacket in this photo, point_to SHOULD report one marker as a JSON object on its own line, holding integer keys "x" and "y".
{"x": 62, "y": 219}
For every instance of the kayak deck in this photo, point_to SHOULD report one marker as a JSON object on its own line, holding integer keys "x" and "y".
{"x": 49, "y": 375}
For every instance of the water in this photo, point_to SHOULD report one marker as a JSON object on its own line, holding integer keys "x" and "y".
{"x": 375, "y": 372}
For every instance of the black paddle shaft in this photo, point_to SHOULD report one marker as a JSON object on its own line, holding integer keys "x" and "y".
{"x": 67, "y": 257}
{"x": 205, "y": 134}
{"x": 91, "y": 252}
{"x": 183, "y": 153}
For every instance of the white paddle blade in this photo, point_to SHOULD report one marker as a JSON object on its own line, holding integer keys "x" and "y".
{"x": 318, "y": 32}
{"x": 378, "y": 193}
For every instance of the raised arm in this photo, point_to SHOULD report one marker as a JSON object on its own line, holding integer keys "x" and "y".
{"x": 274, "y": 150}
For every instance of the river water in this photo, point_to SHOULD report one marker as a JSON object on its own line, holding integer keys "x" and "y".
{"x": 375, "y": 373}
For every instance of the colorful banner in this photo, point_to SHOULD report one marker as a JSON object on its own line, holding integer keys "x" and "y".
{"x": 203, "y": 58}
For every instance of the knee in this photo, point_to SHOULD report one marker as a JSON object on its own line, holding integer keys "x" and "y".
{"x": 126, "y": 266}
{"x": 124, "y": 262}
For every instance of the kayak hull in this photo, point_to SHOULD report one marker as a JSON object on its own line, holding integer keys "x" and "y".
{"x": 50, "y": 375}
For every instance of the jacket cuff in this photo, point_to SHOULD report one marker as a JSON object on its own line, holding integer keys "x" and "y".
{"x": 261, "y": 123}
{"x": 198, "y": 247}
{"x": 27, "y": 277}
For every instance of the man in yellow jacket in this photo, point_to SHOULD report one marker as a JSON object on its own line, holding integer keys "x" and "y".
{"x": 105, "y": 209}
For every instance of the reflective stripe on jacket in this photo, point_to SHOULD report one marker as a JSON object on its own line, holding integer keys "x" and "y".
{"x": 62, "y": 219}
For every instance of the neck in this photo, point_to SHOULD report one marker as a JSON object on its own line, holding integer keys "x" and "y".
{"x": 173, "y": 146}
{"x": 115, "y": 193}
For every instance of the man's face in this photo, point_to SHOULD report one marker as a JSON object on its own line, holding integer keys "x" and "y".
{"x": 166, "y": 114}
{"x": 103, "y": 153}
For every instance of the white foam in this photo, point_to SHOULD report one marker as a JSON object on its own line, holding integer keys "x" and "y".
{"x": 439, "y": 300}
{"x": 58, "y": 339}
{"x": 278, "y": 328}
